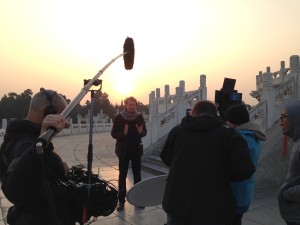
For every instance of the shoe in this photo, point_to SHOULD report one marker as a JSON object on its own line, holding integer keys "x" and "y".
{"x": 120, "y": 206}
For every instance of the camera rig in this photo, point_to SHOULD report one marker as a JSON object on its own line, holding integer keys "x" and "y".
{"x": 103, "y": 194}
{"x": 227, "y": 96}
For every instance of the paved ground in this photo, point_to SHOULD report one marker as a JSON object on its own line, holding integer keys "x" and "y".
{"x": 73, "y": 149}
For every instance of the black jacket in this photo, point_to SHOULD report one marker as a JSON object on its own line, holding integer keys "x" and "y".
{"x": 128, "y": 145}
{"x": 204, "y": 156}
{"x": 23, "y": 184}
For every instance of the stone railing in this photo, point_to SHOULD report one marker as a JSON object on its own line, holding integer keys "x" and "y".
{"x": 75, "y": 129}
{"x": 191, "y": 98}
{"x": 267, "y": 112}
{"x": 168, "y": 102}
{"x": 85, "y": 128}
{"x": 286, "y": 91}
{"x": 258, "y": 114}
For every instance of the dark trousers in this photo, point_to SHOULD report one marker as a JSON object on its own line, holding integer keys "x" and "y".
{"x": 238, "y": 219}
{"x": 185, "y": 221}
{"x": 123, "y": 169}
{"x": 291, "y": 223}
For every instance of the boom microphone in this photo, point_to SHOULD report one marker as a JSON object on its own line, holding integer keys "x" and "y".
{"x": 128, "y": 53}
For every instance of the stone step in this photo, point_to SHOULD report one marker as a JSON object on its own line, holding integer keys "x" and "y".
{"x": 154, "y": 159}
{"x": 154, "y": 169}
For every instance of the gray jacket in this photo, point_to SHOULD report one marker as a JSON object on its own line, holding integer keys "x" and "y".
{"x": 289, "y": 192}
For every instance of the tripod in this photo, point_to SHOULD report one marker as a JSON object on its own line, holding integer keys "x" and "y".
{"x": 90, "y": 149}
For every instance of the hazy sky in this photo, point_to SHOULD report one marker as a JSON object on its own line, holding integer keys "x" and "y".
{"x": 56, "y": 44}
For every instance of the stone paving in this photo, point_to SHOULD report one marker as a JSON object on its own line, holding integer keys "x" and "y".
{"x": 73, "y": 149}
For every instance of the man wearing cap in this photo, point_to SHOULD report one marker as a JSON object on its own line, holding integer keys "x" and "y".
{"x": 237, "y": 117}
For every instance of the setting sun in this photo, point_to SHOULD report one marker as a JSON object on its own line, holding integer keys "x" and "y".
{"x": 123, "y": 86}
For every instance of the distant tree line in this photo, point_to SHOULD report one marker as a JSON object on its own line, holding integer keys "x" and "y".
{"x": 13, "y": 105}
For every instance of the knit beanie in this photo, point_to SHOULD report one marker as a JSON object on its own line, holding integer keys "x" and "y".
{"x": 237, "y": 114}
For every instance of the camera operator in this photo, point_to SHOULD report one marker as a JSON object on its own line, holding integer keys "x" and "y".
{"x": 22, "y": 174}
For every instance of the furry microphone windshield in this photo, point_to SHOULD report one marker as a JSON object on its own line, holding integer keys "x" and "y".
{"x": 128, "y": 56}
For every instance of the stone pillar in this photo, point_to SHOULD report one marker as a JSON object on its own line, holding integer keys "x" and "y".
{"x": 295, "y": 72}
{"x": 268, "y": 80}
{"x": 79, "y": 123}
{"x": 71, "y": 127}
{"x": 257, "y": 82}
{"x": 182, "y": 85}
{"x": 179, "y": 104}
{"x": 269, "y": 96}
{"x": 282, "y": 72}
{"x": 294, "y": 64}
{"x": 260, "y": 81}
{"x": 4, "y": 124}
{"x": 203, "y": 88}
{"x": 111, "y": 123}
{"x": 152, "y": 106}
{"x": 157, "y": 96}
{"x": 178, "y": 94}
{"x": 167, "y": 94}
{"x": 157, "y": 93}
{"x": 167, "y": 89}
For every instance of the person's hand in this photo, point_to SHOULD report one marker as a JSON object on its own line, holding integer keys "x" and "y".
{"x": 126, "y": 129}
{"x": 139, "y": 128}
{"x": 55, "y": 121}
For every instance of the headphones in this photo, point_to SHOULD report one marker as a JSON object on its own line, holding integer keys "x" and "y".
{"x": 50, "y": 108}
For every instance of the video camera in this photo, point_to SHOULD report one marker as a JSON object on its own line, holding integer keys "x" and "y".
{"x": 227, "y": 96}
{"x": 103, "y": 195}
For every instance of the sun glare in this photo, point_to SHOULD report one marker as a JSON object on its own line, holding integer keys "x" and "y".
{"x": 123, "y": 86}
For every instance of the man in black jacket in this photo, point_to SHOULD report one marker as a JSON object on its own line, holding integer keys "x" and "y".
{"x": 22, "y": 174}
{"x": 128, "y": 129}
{"x": 204, "y": 156}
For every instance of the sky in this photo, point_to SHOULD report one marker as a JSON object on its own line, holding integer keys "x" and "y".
{"x": 56, "y": 44}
